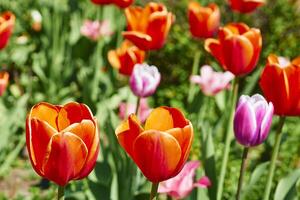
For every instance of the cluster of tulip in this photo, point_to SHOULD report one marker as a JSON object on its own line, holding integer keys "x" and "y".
{"x": 63, "y": 141}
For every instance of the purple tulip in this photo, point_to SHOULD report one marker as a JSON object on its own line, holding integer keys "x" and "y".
{"x": 144, "y": 80}
{"x": 252, "y": 120}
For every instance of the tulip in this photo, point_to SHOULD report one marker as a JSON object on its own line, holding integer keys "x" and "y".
{"x": 161, "y": 148}
{"x": 204, "y": 21}
{"x": 95, "y": 29}
{"x": 36, "y": 20}
{"x": 280, "y": 83}
{"x": 245, "y": 6}
{"x": 237, "y": 49}
{"x": 120, "y": 3}
{"x": 125, "y": 57}
{"x": 7, "y": 22}
{"x": 4, "y": 78}
{"x": 252, "y": 120}
{"x": 62, "y": 141}
{"x": 181, "y": 186}
{"x": 212, "y": 82}
{"x": 148, "y": 27}
{"x": 144, "y": 80}
{"x": 126, "y": 109}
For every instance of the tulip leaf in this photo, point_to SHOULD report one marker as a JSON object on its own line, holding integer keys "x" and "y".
{"x": 286, "y": 187}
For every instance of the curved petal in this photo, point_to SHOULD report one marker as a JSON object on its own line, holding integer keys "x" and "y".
{"x": 141, "y": 40}
{"x": 73, "y": 112}
{"x": 127, "y": 132}
{"x": 38, "y": 136}
{"x": 93, "y": 152}
{"x": 157, "y": 154}
{"x": 266, "y": 123}
{"x": 184, "y": 137}
{"x": 45, "y": 112}
{"x": 113, "y": 59}
{"x": 67, "y": 156}
{"x": 213, "y": 46}
{"x": 245, "y": 124}
{"x": 238, "y": 53}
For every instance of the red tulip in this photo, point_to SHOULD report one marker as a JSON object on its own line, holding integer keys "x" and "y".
{"x": 161, "y": 148}
{"x": 7, "y": 22}
{"x": 280, "y": 83}
{"x": 4, "y": 78}
{"x": 62, "y": 141}
{"x": 125, "y": 57}
{"x": 237, "y": 49}
{"x": 204, "y": 21}
{"x": 148, "y": 27}
{"x": 120, "y": 3}
{"x": 245, "y": 6}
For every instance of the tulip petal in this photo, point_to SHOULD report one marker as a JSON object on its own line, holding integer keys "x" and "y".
{"x": 238, "y": 52}
{"x": 45, "y": 112}
{"x": 72, "y": 113}
{"x": 159, "y": 119}
{"x": 93, "y": 152}
{"x": 266, "y": 122}
{"x": 114, "y": 59}
{"x": 133, "y": 16}
{"x": 157, "y": 154}
{"x": 127, "y": 132}
{"x": 213, "y": 46}
{"x": 203, "y": 182}
{"x": 38, "y": 136}
{"x": 245, "y": 123}
{"x": 67, "y": 156}
{"x": 141, "y": 40}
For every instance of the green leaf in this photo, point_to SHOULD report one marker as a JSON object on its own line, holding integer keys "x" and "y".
{"x": 286, "y": 185}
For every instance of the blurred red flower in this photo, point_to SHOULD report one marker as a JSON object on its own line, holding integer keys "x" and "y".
{"x": 7, "y": 22}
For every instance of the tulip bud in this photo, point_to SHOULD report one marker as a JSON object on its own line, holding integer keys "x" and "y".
{"x": 36, "y": 19}
{"x": 252, "y": 120}
{"x": 7, "y": 23}
{"x": 144, "y": 80}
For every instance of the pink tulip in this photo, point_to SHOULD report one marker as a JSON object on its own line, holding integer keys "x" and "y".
{"x": 182, "y": 185}
{"x": 95, "y": 29}
{"x": 212, "y": 82}
{"x": 126, "y": 109}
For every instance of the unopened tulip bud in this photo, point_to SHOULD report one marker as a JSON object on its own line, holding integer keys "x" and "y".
{"x": 252, "y": 120}
{"x": 144, "y": 80}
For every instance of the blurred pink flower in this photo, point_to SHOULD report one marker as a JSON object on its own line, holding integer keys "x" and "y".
{"x": 182, "y": 185}
{"x": 95, "y": 29}
{"x": 212, "y": 82}
{"x": 127, "y": 109}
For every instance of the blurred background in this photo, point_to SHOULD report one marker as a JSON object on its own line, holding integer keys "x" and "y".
{"x": 48, "y": 59}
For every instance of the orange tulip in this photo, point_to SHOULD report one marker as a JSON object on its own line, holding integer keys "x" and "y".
{"x": 120, "y": 3}
{"x": 245, "y": 6}
{"x": 7, "y": 22}
{"x": 4, "y": 78}
{"x": 125, "y": 57}
{"x": 161, "y": 148}
{"x": 237, "y": 49}
{"x": 62, "y": 141}
{"x": 280, "y": 83}
{"x": 148, "y": 27}
{"x": 204, "y": 21}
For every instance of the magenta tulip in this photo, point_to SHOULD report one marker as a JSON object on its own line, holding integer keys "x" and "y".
{"x": 252, "y": 120}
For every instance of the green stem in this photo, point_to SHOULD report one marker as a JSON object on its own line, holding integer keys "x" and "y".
{"x": 61, "y": 193}
{"x": 137, "y": 105}
{"x": 242, "y": 170}
{"x": 274, "y": 158}
{"x": 195, "y": 69}
{"x": 153, "y": 193}
{"x": 228, "y": 139}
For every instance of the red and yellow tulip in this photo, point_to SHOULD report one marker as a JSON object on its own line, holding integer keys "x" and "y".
{"x": 7, "y": 22}
{"x": 62, "y": 141}
{"x": 280, "y": 83}
{"x": 148, "y": 27}
{"x": 161, "y": 148}
{"x": 237, "y": 48}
